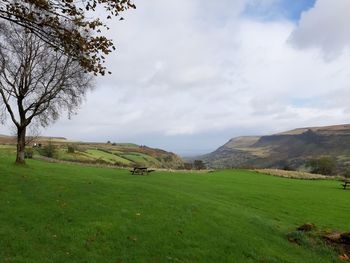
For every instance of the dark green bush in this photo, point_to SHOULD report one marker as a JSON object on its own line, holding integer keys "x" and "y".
{"x": 199, "y": 165}
{"x": 71, "y": 149}
{"x": 49, "y": 150}
{"x": 323, "y": 165}
{"x": 28, "y": 154}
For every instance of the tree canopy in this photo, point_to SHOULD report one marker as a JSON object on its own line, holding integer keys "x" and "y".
{"x": 67, "y": 26}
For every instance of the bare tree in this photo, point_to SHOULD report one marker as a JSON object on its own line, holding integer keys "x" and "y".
{"x": 37, "y": 83}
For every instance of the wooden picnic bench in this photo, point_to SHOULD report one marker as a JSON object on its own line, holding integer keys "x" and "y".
{"x": 141, "y": 170}
{"x": 345, "y": 184}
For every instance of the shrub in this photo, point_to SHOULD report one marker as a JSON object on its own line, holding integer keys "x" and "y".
{"x": 71, "y": 149}
{"x": 288, "y": 168}
{"x": 323, "y": 165}
{"x": 188, "y": 166}
{"x": 199, "y": 165}
{"x": 49, "y": 150}
{"x": 28, "y": 153}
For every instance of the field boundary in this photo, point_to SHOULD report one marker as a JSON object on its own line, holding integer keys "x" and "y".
{"x": 297, "y": 174}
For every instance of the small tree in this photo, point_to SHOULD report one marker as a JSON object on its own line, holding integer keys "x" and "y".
{"x": 322, "y": 165}
{"x": 71, "y": 149}
{"x": 49, "y": 150}
{"x": 199, "y": 165}
{"x": 188, "y": 166}
{"x": 37, "y": 83}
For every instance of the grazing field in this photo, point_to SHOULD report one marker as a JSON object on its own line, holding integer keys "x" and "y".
{"x": 122, "y": 155}
{"x": 53, "y": 212}
{"x": 108, "y": 154}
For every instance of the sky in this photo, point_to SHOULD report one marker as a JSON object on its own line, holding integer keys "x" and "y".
{"x": 188, "y": 75}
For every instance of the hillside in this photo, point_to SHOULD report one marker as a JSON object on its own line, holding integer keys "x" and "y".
{"x": 111, "y": 154}
{"x": 6, "y": 139}
{"x": 55, "y": 212}
{"x": 287, "y": 149}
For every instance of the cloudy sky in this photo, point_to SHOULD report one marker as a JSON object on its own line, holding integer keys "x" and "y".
{"x": 188, "y": 75}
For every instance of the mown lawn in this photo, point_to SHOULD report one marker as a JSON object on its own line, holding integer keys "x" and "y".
{"x": 69, "y": 213}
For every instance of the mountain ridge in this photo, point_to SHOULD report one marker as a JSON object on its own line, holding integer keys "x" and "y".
{"x": 293, "y": 148}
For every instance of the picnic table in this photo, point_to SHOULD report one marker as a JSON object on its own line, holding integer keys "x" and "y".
{"x": 141, "y": 170}
{"x": 345, "y": 184}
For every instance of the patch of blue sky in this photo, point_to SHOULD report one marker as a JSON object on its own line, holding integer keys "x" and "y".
{"x": 278, "y": 9}
{"x": 305, "y": 102}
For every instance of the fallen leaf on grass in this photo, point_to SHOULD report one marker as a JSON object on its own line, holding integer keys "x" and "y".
{"x": 344, "y": 257}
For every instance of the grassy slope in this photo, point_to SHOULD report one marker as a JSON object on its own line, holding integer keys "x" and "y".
{"x": 62, "y": 154}
{"x": 141, "y": 159}
{"x": 91, "y": 155}
{"x": 67, "y": 213}
{"x": 119, "y": 155}
{"x": 108, "y": 157}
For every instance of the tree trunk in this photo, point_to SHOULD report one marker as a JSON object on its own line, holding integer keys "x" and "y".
{"x": 21, "y": 144}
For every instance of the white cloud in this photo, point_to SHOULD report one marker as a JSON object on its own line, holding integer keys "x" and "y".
{"x": 184, "y": 71}
{"x": 325, "y": 26}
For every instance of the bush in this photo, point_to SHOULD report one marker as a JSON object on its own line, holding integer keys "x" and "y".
{"x": 199, "y": 165}
{"x": 288, "y": 168}
{"x": 71, "y": 149}
{"x": 323, "y": 165}
{"x": 49, "y": 150}
{"x": 188, "y": 166}
{"x": 28, "y": 154}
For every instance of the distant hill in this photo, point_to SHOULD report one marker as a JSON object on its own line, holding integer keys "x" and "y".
{"x": 287, "y": 149}
{"x": 6, "y": 139}
{"x": 111, "y": 154}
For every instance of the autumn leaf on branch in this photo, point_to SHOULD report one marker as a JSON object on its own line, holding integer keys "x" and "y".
{"x": 64, "y": 25}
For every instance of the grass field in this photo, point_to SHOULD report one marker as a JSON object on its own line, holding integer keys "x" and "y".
{"x": 142, "y": 159}
{"x": 107, "y": 157}
{"x": 68, "y": 213}
{"x": 119, "y": 155}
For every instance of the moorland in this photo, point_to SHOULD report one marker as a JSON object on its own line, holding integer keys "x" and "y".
{"x": 286, "y": 150}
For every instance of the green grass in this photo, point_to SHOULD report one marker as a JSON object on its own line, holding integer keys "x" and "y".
{"x": 63, "y": 154}
{"x": 107, "y": 157}
{"x": 69, "y": 213}
{"x": 119, "y": 155}
{"x": 141, "y": 158}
